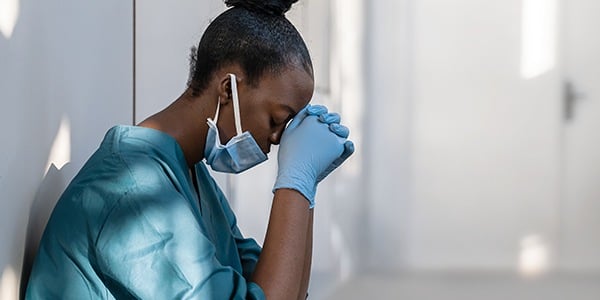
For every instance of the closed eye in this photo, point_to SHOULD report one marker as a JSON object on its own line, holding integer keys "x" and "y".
{"x": 281, "y": 121}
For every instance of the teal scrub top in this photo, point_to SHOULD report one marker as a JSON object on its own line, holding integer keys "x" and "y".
{"x": 131, "y": 226}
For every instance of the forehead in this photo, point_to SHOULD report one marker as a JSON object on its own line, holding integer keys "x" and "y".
{"x": 293, "y": 87}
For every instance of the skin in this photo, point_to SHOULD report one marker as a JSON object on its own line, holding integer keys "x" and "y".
{"x": 283, "y": 268}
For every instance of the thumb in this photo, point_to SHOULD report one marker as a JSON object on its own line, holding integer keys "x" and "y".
{"x": 298, "y": 117}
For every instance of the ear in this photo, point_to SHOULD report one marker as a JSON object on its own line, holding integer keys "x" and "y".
{"x": 224, "y": 89}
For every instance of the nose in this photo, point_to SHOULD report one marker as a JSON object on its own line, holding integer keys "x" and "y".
{"x": 275, "y": 137}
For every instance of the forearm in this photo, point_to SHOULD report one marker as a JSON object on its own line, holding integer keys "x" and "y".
{"x": 308, "y": 258}
{"x": 281, "y": 265}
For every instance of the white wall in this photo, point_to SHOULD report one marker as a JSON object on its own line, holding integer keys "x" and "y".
{"x": 165, "y": 33}
{"x": 388, "y": 128}
{"x": 65, "y": 78}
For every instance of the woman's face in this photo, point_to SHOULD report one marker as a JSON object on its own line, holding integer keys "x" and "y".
{"x": 266, "y": 108}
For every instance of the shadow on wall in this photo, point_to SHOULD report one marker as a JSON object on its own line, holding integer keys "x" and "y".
{"x": 45, "y": 199}
{"x": 28, "y": 115}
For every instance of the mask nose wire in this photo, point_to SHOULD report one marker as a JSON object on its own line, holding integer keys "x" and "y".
{"x": 236, "y": 104}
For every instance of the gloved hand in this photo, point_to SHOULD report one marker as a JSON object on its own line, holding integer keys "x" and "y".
{"x": 333, "y": 119}
{"x": 312, "y": 146}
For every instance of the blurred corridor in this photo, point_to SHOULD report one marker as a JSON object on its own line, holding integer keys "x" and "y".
{"x": 476, "y": 124}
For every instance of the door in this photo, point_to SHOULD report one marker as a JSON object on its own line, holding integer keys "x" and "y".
{"x": 485, "y": 137}
{"x": 581, "y": 150}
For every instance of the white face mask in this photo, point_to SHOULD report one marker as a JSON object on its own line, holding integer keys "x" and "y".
{"x": 241, "y": 152}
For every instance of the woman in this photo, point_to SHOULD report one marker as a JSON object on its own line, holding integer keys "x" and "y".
{"x": 144, "y": 219}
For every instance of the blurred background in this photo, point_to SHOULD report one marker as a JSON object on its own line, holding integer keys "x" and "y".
{"x": 477, "y": 171}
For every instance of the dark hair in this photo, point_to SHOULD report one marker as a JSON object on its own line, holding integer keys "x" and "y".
{"x": 254, "y": 34}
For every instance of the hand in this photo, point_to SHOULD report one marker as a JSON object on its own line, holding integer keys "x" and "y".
{"x": 312, "y": 146}
{"x": 333, "y": 119}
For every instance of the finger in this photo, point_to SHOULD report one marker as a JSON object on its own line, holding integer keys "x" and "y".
{"x": 299, "y": 117}
{"x": 348, "y": 150}
{"x": 317, "y": 110}
{"x": 330, "y": 118}
{"x": 341, "y": 130}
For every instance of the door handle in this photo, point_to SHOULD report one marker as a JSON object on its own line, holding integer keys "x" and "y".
{"x": 570, "y": 96}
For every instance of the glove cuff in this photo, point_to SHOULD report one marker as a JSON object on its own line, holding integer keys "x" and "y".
{"x": 307, "y": 191}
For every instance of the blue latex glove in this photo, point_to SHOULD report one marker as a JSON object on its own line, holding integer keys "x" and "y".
{"x": 312, "y": 146}
{"x": 333, "y": 119}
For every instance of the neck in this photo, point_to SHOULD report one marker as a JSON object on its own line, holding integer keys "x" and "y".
{"x": 185, "y": 121}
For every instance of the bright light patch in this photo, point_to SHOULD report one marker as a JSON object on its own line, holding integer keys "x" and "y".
{"x": 539, "y": 30}
{"x": 9, "y": 284}
{"x": 347, "y": 75}
{"x": 340, "y": 250}
{"x": 60, "y": 153}
{"x": 9, "y": 13}
{"x": 534, "y": 256}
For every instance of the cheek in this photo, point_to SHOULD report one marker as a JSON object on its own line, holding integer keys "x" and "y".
{"x": 256, "y": 118}
{"x": 262, "y": 130}
{"x": 251, "y": 121}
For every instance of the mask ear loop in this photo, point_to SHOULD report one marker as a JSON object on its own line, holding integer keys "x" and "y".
{"x": 236, "y": 105}
{"x": 216, "y": 118}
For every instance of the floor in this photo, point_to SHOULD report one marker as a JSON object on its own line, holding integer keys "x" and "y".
{"x": 467, "y": 287}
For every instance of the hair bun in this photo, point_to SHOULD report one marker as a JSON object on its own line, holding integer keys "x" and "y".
{"x": 270, "y": 7}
